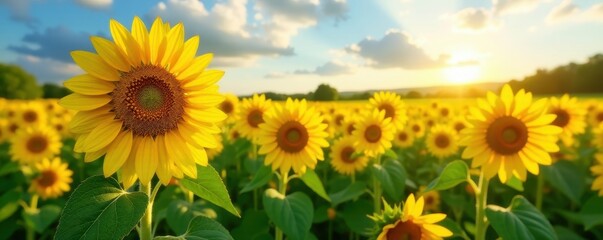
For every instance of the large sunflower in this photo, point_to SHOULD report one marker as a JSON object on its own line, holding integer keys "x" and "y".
{"x": 251, "y": 115}
{"x": 510, "y": 134}
{"x": 32, "y": 144}
{"x": 374, "y": 133}
{"x": 343, "y": 159}
{"x": 442, "y": 141}
{"x": 597, "y": 171}
{"x": 53, "y": 178}
{"x": 410, "y": 223}
{"x": 292, "y": 137}
{"x": 146, "y": 102}
{"x": 392, "y": 105}
{"x": 569, "y": 117}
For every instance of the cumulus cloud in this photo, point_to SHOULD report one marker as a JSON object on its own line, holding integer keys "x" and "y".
{"x": 19, "y": 11}
{"x": 567, "y": 11}
{"x": 595, "y": 12}
{"x": 95, "y": 4}
{"x": 48, "y": 70}
{"x": 501, "y": 7}
{"x": 394, "y": 50}
{"x": 564, "y": 10}
{"x": 474, "y": 20}
{"x": 331, "y": 68}
{"x": 337, "y": 9}
{"x": 54, "y": 43}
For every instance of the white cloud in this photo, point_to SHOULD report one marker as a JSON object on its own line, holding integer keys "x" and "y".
{"x": 567, "y": 11}
{"x": 19, "y": 11}
{"x": 501, "y": 7}
{"x": 595, "y": 12}
{"x": 331, "y": 68}
{"x": 474, "y": 20}
{"x": 48, "y": 70}
{"x": 95, "y": 4}
{"x": 564, "y": 10}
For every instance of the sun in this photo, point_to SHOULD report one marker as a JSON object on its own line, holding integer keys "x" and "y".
{"x": 462, "y": 73}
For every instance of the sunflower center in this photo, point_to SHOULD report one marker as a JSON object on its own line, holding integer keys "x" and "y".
{"x": 346, "y": 155}
{"x": 13, "y": 127}
{"x": 292, "y": 137}
{"x": 227, "y": 107}
{"x": 405, "y": 230}
{"x": 459, "y": 126}
{"x": 402, "y": 136}
{"x": 372, "y": 133}
{"x": 430, "y": 123}
{"x": 416, "y": 128}
{"x": 444, "y": 112}
{"x": 30, "y": 116}
{"x": 389, "y": 110}
{"x": 47, "y": 178}
{"x": 338, "y": 119}
{"x": 351, "y": 128}
{"x": 36, "y": 144}
{"x": 562, "y": 118}
{"x": 429, "y": 200}
{"x": 507, "y": 135}
{"x": 442, "y": 141}
{"x": 149, "y": 101}
{"x": 600, "y": 117}
{"x": 255, "y": 118}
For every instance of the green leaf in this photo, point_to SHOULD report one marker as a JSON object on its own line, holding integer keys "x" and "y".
{"x": 392, "y": 177}
{"x": 521, "y": 220}
{"x": 313, "y": 182}
{"x": 355, "y": 216}
{"x": 566, "y": 233}
{"x": 566, "y": 177}
{"x": 201, "y": 228}
{"x": 260, "y": 178}
{"x": 350, "y": 192}
{"x": 454, "y": 227}
{"x": 515, "y": 183}
{"x": 293, "y": 214}
{"x": 389, "y": 153}
{"x": 9, "y": 204}
{"x": 592, "y": 212}
{"x": 180, "y": 213}
{"x": 9, "y": 167}
{"x": 40, "y": 219}
{"x": 454, "y": 173}
{"x": 254, "y": 224}
{"x": 210, "y": 187}
{"x": 100, "y": 209}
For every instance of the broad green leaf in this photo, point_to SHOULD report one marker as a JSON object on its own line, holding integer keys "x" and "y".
{"x": 9, "y": 203}
{"x": 8, "y": 228}
{"x": 592, "y": 212}
{"x": 100, "y": 209}
{"x": 389, "y": 153}
{"x": 163, "y": 200}
{"x": 355, "y": 215}
{"x": 179, "y": 214}
{"x": 40, "y": 219}
{"x": 260, "y": 178}
{"x": 566, "y": 233}
{"x": 521, "y": 220}
{"x": 201, "y": 228}
{"x": 566, "y": 177}
{"x": 454, "y": 227}
{"x": 254, "y": 224}
{"x": 352, "y": 191}
{"x": 392, "y": 177}
{"x": 454, "y": 173}
{"x": 293, "y": 214}
{"x": 313, "y": 182}
{"x": 210, "y": 187}
{"x": 9, "y": 167}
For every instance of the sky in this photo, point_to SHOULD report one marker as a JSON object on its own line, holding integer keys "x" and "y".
{"x": 292, "y": 46}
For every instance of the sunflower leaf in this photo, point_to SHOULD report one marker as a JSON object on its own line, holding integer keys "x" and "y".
{"x": 40, "y": 219}
{"x": 392, "y": 176}
{"x": 293, "y": 213}
{"x": 210, "y": 187}
{"x": 352, "y": 191}
{"x": 201, "y": 227}
{"x": 566, "y": 177}
{"x": 313, "y": 182}
{"x": 260, "y": 178}
{"x": 591, "y": 213}
{"x": 390, "y": 154}
{"x": 521, "y": 220}
{"x": 100, "y": 209}
{"x": 454, "y": 173}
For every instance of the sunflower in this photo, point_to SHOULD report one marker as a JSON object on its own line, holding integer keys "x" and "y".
{"x": 404, "y": 138}
{"x": 53, "y": 179}
{"x": 343, "y": 159}
{"x": 292, "y": 137}
{"x": 595, "y": 115}
{"x": 459, "y": 123}
{"x": 213, "y": 152}
{"x": 432, "y": 199}
{"x": 374, "y": 133}
{"x": 597, "y": 171}
{"x": 442, "y": 141}
{"x": 409, "y": 223}
{"x": 570, "y": 117}
{"x": 251, "y": 113}
{"x": 510, "y": 134}
{"x": 31, "y": 114}
{"x": 349, "y": 125}
{"x": 32, "y": 144}
{"x": 417, "y": 127}
{"x": 230, "y": 106}
{"x": 444, "y": 112}
{"x": 392, "y": 105}
{"x": 145, "y": 102}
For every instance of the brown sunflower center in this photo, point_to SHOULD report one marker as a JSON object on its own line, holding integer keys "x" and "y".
{"x": 405, "y": 230}
{"x": 444, "y": 112}
{"x": 338, "y": 119}
{"x": 10, "y": 113}
{"x": 36, "y": 144}
{"x": 372, "y": 133}
{"x": 255, "y": 118}
{"x": 389, "y": 110}
{"x": 227, "y": 107}
{"x": 562, "y": 118}
{"x": 459, "y": 126}
{"x": 402, "y": 136}
{"x": 442, "y": 141}
{"x": 59, "y": 127}
{"x": 47, "y": 178}
{"x": 292, "y": 137}
{"x": 600, "y": 117}
{"x": 416, "y": 128}
{"x": 30, "y": 116}
{"x": 13, "y": 127}
{"x": 350, "y": 128}
{"x": 149, "y": 101}
{"x": 430, "y": 123}
{"x": 429, "y": 200}
{"x": 507, "y": 135}
{"x": 346, "y": 155}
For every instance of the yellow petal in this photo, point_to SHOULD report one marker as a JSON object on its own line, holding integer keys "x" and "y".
{"x": 95, "y": 65}
{"x": 86, "y": 84}
{"x": 175, "y": 41}
{"x": 164, "y": 166}
{"x": 141, "y": 35}
{"x": 156, "y": 42}
{"x": 124, "y": 40}
{"x": 146, "y": 160}
{"x": 86, "y": 121}
{"x": 93, "y": 156}
{"x": 81, "y": 102}
{"x": 196, "y": 67}
{"x": 110, "y": 53}
{"x": 206, "y": 79}
{"x": 117, "y": 153}
{"x": 102, "y": 135}
{"x": 188, "y": 53}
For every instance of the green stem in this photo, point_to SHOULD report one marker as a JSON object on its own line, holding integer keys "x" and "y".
{"x": 377, "y": 192}
{"x": 282, "y": 189}
{"x": 190, "y": 196}
{"x": 330, "y": 229}
{"x": 255, "y": 199}
{"x": 539, "y": 187}
{"x": 147, "y": 220}
{"x": 481, "y": 222}
{"x": 33, "y": 206}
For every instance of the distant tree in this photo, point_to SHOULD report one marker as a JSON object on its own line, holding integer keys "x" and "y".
{"x": 52, "y": 90}
{"x": 17, "y": 83}
{"x": 324, "y": 92}
{"x": 413, "y": 94}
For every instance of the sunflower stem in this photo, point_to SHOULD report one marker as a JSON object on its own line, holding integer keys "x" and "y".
{"x": 282, "y": 189}
{"x": 377, "y": 188}
{"x": 33, "y": 206}
{"x": 147, "y": 219}
{"x": 481, "y": 222}
{"x": 539, "y": 187}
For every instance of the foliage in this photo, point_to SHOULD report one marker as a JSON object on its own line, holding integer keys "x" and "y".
{"x": 17, "y": 83}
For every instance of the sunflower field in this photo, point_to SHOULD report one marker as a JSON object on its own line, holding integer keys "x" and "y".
{"x": 147, "y": 147}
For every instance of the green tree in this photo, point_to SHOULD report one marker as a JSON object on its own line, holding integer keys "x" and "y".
{"x": 52, "y": 90}
{"x": 17, "y": 83}
{"x": 324, "y": 92}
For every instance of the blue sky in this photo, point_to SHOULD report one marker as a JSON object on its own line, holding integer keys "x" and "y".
{"x": 292, "y": 46}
